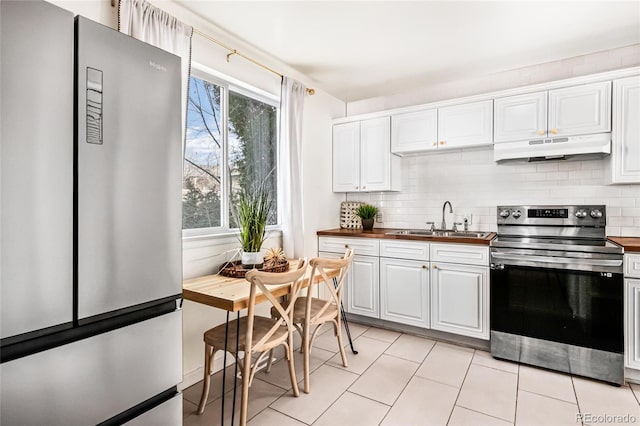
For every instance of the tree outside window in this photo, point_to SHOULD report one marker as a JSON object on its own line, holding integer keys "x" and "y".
{"x": 250, "y": 143}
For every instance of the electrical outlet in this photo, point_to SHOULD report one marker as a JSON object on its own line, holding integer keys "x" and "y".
{"x": 379, "y": 216}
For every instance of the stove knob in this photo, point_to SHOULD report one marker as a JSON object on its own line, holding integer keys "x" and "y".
{"x": 516, "y": 214}
{"x": 596, "y": 214}
{"x": 581, "y": 214}
{"x": 504, "y": 213}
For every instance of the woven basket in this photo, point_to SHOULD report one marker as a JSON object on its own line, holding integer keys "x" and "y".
{"x": 348, "y": 214}
{"x": 235, "y": 269}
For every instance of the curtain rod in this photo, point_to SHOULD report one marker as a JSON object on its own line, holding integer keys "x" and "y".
{"x": 232, "y": 52}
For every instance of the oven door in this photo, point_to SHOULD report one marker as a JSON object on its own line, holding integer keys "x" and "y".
{"x": 540, "y": 297}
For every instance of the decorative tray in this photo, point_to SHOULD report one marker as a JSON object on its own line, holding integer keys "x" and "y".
{"x": 235, "y": 270}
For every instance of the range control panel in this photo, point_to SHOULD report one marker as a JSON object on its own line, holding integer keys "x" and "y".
{"x": 580, "y": 215}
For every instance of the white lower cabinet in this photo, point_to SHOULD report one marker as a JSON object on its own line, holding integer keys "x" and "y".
{"x": 632, "y": 310}
{"x": 404, "y": 291}
{"x": 460, "y": 299}
{"x": 363, "y": 287}
{"x": 632, "y": 323}
{"x": 361, "y": 290}
{"x": 428, "y": 285}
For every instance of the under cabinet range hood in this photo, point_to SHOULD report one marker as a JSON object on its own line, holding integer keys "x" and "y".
{"x": 552, "y": 148}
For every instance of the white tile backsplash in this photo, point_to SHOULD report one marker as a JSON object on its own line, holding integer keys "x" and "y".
{"x": 475, "y": 184}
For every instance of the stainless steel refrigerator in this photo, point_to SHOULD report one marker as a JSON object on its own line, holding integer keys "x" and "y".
{"x": 91, "y": 270}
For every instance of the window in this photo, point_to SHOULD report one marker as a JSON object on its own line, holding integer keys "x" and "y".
{"x": 231, "y": 144}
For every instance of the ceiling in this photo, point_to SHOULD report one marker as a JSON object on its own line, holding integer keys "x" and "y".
{"x": 361, "y": 49}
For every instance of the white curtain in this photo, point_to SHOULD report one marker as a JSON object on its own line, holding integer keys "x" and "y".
{"x": 290, "y": 167}
{"x": 154, "y": 26}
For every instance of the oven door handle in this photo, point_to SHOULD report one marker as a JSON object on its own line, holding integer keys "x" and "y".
{"x": 519, "y": 258}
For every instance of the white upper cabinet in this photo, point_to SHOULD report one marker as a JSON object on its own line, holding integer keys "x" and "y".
{"x": 466, "y": 125}
{"x": 375, "y": 154}
{"x": 346, "y": 157}
{"x": 521, "y": 117}
{"x": 414, "y": 131}
{"x": 625, "y": 154}
{"x": 362, "y": 159}
{"x": 570, "y": 111}
{"x": 580, "y": 110}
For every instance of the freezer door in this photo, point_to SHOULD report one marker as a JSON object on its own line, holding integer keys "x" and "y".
{"x": 92, "y": 380}
{"x": 129, "y": 160}
{"x": 36, "y": 155}
{"x": 166, "y": 414}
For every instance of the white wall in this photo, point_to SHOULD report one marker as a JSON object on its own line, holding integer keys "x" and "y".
{"x": 321, "y": 206}
{"x": 475, "y": 184}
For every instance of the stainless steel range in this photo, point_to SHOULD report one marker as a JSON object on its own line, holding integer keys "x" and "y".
{"x": 557, "y": 291}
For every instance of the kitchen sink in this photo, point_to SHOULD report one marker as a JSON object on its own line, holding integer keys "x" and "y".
{"x": 439, "y": 233}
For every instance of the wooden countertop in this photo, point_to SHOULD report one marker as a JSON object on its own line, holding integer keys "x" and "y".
{"x": 382, "y": 233}
{"x": 630, "y": 244}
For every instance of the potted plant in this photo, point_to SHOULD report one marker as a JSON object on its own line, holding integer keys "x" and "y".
{"x": 367, "y": 213}
{"x": 251, "y": 212}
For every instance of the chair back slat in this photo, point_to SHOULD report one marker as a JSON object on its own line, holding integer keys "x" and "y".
{"x": 265, "y": 280}
{"x": 320, "y": 266}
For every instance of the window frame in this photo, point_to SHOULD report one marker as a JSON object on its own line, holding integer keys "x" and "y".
{"x": 228, "y": 84}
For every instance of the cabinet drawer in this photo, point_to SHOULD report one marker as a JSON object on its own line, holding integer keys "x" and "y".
{"x": 460, "y": 253}
{"x": 632, "y": 265}
{"x": 404, "y": 249}
{"x": 360, "y": 246}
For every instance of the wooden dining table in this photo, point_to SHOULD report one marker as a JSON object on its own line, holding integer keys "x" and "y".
{"x": 232, "y": 295}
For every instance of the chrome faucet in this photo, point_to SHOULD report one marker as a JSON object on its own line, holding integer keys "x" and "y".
{"x": 444, "y": 223}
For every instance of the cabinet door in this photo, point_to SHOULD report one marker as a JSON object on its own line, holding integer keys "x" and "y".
{"x": 460, "y": 299}
{"x": 404, "y": 291}
{"x": 414, "y": 131}
{"x": 375, "y": 154}
{"x": 580, "y": 110}
{"x": 363, "y": 286}
{"x": 632, "y": 323}
{"x": 522, "y": 117}
{"x": 625, "y": 154}
{"x": 465, "y": 125}
{"x": 346, "y": 157}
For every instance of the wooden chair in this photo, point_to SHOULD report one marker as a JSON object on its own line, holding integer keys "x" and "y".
{"x": 311, "y": 311}
{"x": 258, "y": 335}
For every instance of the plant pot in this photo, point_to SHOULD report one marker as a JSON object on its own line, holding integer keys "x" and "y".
{"x": 252, "y": 260}
{"x": 367, "y": 224}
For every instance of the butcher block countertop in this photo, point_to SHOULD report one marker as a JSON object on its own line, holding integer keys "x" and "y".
{"x": 630, "y": 244}
{"x": 382, "y": 233}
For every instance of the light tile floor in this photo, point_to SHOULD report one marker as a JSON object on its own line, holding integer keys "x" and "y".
{"x": 399, "y": 379}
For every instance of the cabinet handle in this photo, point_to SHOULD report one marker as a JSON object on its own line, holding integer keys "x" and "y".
{"x": 435, "y": 267}
{"x": 541, "y": 132}
{"x": 424, "y": 266}
{"x": 554, "y": 131}
{"x": 364, "y": 187}
{"x": 346, "y": 246}
{"x": 443, "y": 142}
{"x": 434, "y": 144}
{"x": 356, "y": 187}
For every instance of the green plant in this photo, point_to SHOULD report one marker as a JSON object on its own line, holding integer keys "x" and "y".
{"x": 251, "y": 212}
{"x": 367, "y": 211}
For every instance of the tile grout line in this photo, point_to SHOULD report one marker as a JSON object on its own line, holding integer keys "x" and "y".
{"x": 546, "y": 396}
{"x": 573, "y": 385}
{"x": 455, "y": 403}
{"x": 332, "y": 366}
{"x": 515, "y": 411}
{"x": 414, "y": 375}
